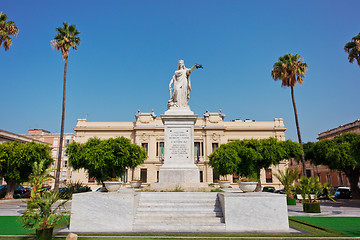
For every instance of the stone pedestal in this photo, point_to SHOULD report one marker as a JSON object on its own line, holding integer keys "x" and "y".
{"x": 179, "y": 164}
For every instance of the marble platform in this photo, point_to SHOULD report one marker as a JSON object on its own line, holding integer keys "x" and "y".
{"x": 131, "y": 212}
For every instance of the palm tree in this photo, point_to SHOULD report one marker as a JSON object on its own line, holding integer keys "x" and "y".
{"x": 291, "y": 69}
{"x": 66, "y": 38}
{"x": 353, "y": 49}
{"x": 7, "y": 29}
{"x": 287, "y": 179}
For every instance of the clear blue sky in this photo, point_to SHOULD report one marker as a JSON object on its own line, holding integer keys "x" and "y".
{"x": 130, "y": 50}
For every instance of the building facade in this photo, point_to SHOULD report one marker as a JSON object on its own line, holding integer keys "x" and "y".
{"x": 53, "y": 140}
{"x": 334, "y": 177}
{"x": 210, "y": 132}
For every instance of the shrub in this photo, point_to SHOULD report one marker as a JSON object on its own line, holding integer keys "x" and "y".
{"x": 70, "y": 189}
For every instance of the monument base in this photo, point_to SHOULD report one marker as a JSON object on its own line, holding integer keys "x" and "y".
{"x": 179, "y": 174}
{"x": 188, "y": 187}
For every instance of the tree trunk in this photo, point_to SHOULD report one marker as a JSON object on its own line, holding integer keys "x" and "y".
{"x": 303, "y": 170}
{"x": 10, "y": 189}
{"x": 353, "y": 176}
{"x": 58, "y": 165}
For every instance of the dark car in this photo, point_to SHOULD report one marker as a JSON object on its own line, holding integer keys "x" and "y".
{"x": 343, "y": 193}
{"x": 268, "y": 189}
{"x": 20, "y": 192}
{"x": 282, "y": 191}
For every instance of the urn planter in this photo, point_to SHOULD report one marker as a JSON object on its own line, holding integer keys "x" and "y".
{"x": 247, "y": 186}
{"x": 224, "y": 184}
{"x": 44, "y": 234}
{"x": 112, "y": 186}
{"x": 135, "y": 184}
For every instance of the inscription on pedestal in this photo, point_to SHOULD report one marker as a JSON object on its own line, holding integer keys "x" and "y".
{"x": 179, "y": 143}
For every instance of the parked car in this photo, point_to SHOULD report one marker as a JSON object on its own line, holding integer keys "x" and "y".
{"x": 343, "y": 193}
{"x": 268, "y": 189}
{"x": 282, "y": 191}
{"x": 20, "y": 192}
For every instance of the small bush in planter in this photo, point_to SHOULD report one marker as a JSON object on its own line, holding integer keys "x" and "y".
{"x": 309, "y": 189}
{"x": 41, "y": 212}
{"x": 311, "y": 207}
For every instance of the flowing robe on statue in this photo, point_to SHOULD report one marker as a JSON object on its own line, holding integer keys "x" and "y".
{"x": 182, "y": 87}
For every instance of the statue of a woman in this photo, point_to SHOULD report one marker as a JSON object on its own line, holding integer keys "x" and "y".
{"x": 180, "y": 95}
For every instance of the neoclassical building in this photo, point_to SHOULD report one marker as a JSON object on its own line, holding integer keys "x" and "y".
{"x": 209, "y": 133}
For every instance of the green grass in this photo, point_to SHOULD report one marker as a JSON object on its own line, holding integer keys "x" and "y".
{"x": 349, "y": 226}
{"x": 11, "y": 225}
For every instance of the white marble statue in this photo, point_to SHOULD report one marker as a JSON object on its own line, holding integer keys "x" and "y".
{"x": 180, "y": 95}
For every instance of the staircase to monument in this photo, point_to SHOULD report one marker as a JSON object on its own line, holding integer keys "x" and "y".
{"x": 179, "y": 212}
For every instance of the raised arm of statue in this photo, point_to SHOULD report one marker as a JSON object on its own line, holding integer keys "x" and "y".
{"x": 192, "y": 68}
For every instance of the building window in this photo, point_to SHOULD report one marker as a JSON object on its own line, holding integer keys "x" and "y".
{"x": 328, "y": 178}
{"x": 65, "y": 164}
{"x": 54, "y": 153}
{"x": 215, "y": 176}
{"x": 201, "y": 176}
{"x": 124, "y": 178}
{"x": 341, "y": 182}
{"x": 144, "y": 146}
{"x": 143, "y": 175}
{"x": 198, "y": 149}
{"x": 268, "y": 175}
{"x": 56, "y": 142}
{"x": 214, "y": 146}
{"x": 308, "y": 173}
{"x": 157, "y": 176}
{"x": 160, "y": 149}
{"x": 67, "y": 141}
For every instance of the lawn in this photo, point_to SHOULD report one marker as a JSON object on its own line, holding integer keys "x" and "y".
{"x": 12, "y": 226}
{"x": 349, "y": 226}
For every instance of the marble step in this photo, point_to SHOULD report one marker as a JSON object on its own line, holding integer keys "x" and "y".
{"x": 179, "y": 227}
{"x": 178, "y": 219}
{"x": 174, "y": 208}
{"x": 184, "y": 204}
{"x": 193, "y": 214}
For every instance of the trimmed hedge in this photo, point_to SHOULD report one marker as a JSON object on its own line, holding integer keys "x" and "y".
{"x": 311, "y": 207}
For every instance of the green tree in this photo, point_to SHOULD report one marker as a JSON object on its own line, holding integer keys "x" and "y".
{"x": 353, "y": 49}
{"x": 17, "y": 159}
{"x": 290, "y": 70}
{"x": 247, "y": 157}
{"x": 66, "y": 38}
{"x": 341, "y": 153}
{"x": 7, "y": 29}
{"x": 105, "y": 159}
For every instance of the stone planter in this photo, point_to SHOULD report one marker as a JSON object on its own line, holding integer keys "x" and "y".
{"x": 291, "y": 201}
{"x": 135, "y": 184}
{"x": 311, "y": 207}
{"x": 224, "y": 184}
{"x": 247, "y": 186}
{"x": 112, "y": 186}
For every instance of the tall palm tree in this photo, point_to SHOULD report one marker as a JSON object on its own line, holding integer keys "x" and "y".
{"x": 290, "y": 70}
{"x": 7, "y": 29}
{"x": 66, "y": 38}
{"x": 353, "y": 49}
